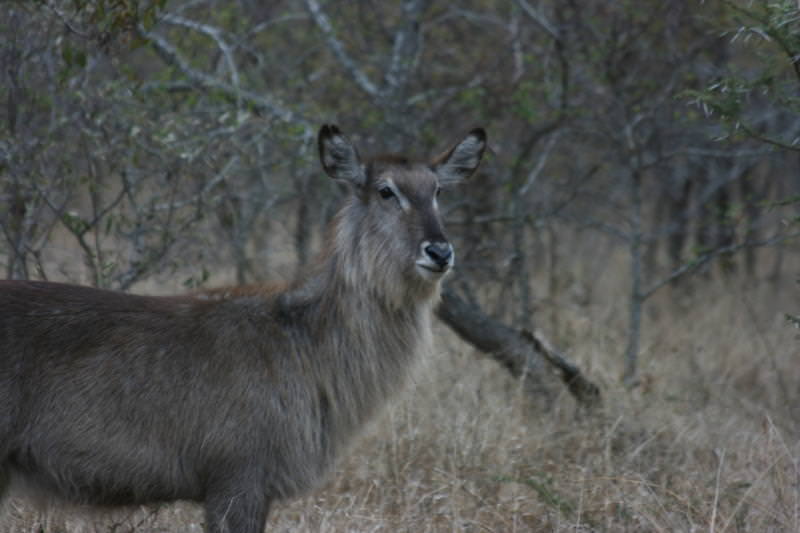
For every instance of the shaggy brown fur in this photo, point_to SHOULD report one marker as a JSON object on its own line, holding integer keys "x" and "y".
{"x": 231, "y": 397}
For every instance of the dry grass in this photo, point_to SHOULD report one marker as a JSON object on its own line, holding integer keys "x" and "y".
{"x": 708, "y": 442}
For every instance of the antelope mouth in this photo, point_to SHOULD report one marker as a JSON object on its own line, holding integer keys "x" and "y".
{"x": 435, "y": 259}
{"x": 431, "y": 270}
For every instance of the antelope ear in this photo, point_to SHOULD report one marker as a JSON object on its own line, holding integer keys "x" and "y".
{"x": 461, "y": 160}
{"x": 339, "y": 157}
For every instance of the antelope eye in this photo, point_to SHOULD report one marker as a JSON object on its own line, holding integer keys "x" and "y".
{"x": 386, "y": 192}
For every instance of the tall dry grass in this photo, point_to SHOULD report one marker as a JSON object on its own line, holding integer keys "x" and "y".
{"x": 709, "y": 441}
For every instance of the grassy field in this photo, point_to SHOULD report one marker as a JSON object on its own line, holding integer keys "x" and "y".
{"x": 709, "y": 441}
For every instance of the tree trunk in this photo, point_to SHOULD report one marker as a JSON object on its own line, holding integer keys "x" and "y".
{"x": 679, "y": 205}
{"x": 636, "y": 298}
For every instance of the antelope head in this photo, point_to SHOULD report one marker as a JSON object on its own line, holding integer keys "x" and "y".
{"x": 396, "y": 219}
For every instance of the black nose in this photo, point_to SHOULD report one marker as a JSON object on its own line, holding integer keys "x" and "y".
{"x": 439, "y": 252}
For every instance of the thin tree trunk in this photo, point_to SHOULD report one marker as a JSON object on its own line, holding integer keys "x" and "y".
{"x": 13, "y": 223}
{"x": 636, "y": 299}
{"x": 519, "y": 267}
{"x": 724, "y": 230}
{"x": 679, "y": 221}
{"x": 14, "y": 229}
{"x": 750, "y": 199}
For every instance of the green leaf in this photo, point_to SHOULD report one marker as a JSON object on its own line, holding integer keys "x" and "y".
{"x": 74, "y": 223}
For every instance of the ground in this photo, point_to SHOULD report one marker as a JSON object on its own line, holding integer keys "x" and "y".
{"x": 708, "y": 441}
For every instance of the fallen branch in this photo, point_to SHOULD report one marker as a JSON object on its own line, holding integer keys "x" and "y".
{"x": 586, "y": 392}
{"x": 523, "y": 353}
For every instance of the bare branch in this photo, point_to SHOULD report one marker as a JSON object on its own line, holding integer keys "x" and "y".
{"x": 540, "y": 19}
{"x": 216, "y": 35}
{"x": 260, "y": 102}
{"x": 769, "y": 140}
{"x": 581, "y": 388}
{"x": 693, "y": 265}
{"x": 533, "y": 175}
{"x": 406, "y": 45}
{"x": 520, "y": 352}
{"x": 336, "y": 46}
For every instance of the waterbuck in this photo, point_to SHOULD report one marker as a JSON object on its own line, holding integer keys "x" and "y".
{"x": 233, "y": 398}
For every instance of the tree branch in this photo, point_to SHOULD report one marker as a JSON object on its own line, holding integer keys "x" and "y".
{"x": 216, "y": 35}
{"x": 336, "y": 46}
{"x": 406, "y": 45}
{"x": 586, "y": 392}
{"x": 522, "y": 353}
{"x": 261, "y": 103}
{"x": 691, "y": 266}
{"x": 540, "y": 19}
{"x": 533, "y": 175}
